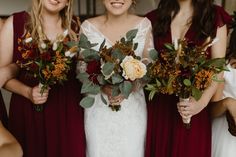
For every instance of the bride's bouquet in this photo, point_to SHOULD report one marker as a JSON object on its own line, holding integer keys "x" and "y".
{"x": 117, "y": 67}
{"x": 183, "y": 69}
{"x": 48, "y": 62}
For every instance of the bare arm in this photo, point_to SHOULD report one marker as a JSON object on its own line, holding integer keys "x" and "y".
{"x": 7, "y": 72}
{"x": 218, "y": 51}
{"x": 9, "y": 147}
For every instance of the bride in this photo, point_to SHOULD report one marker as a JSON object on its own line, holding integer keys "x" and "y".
{"x": 122, "y": 133}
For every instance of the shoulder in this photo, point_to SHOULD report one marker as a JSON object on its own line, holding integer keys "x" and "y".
{"x": 96, "y": 21}
{"x": 8, "y": 24}
{"x": 221, "y": 16}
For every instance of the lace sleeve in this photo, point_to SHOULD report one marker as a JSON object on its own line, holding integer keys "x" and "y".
{"x": 149, "y": 45}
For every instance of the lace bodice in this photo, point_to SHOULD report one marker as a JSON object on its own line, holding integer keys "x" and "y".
{"x": 144, "y": 26}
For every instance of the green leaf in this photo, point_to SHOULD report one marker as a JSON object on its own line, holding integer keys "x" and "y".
{"x": 87, "y": 102}
{"x": 103, "y": 99}
{"x": 90, "y": 88}
{"x": 153, "y": 54}
{"x": 90, "y": 54}
{"x": 169, "y": 46}
{"x": 83, "y": 77}
{"x": 152, "y": 94}
{"x": 130, "y": 35}
{"x": 102, "y": 45}
{"x": 117, "y": 54}
{"x": 187, "y": 82}
{"x": 115, "y": 91}
{"x": 108, "y": 68}
{"x": 135, "y": 46}
{"x": 85, "y": 43}
{"x": 101, "y": 80}
{"x": 126, "y": 88}
{"x": 196, "y": 93}
{"x": 116, "y": 78}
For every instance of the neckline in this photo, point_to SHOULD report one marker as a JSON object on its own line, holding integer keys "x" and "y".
{"x": 105, "y": 37}
{"x": 185, "y": 35}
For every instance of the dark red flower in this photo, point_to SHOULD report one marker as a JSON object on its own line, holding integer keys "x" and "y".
{"x": 93, "y": 69}
{"x": 45, "y": 56}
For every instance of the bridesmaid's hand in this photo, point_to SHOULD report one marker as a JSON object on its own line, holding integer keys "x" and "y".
{"x": 36, "y": 97}
{"x": 190, "y": 108}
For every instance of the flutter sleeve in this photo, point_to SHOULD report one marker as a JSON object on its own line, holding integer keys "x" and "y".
{"x": 222, "y": 17}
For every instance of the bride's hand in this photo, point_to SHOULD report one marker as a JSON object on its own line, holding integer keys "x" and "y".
{"x": 116, "y": 100}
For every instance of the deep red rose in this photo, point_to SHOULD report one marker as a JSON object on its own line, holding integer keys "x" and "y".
{"x": 94, "y": 69}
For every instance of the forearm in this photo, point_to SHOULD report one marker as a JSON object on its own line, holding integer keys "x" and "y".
{"x": 217, "y": 108}
{"x": 208, "y": 94}
{"x": 18, "y": 87}
{"x": 11, "y": 150}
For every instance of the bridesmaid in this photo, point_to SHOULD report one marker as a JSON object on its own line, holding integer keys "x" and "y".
{"x": 194, "y": 20}
{"x": 58, "y": 131}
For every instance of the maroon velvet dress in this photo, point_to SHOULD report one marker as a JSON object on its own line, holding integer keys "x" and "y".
{"x": 3, "y": 112}
{"x": 166, "y": 134}
{"x": 58, "y": 131}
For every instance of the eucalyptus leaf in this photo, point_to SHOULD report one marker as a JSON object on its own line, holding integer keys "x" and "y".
{"x": 135, "y": 46}
{"x": 83, "y": 77}
{"x": 115, "y": 91}
{"x": 87, "y": 102}
{"x": 130, "y": 35}
{"x": 153, "y": 54}
{"x": 108, "y": 68}
{"x": 84, "y": 42}
{"x": 117, "y": 54}
{"x": 103, "y": 100}
{"x": 90, "y": 88}
{"x": 126, "y": 88}
{"x": 116, "y": 78}
{"x": 102, "y": 45}
{"x": 90, "y": 54}
{"x": 101, "y": 80}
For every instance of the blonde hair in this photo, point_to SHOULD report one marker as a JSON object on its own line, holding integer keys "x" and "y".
{"x": 34, "y": 25}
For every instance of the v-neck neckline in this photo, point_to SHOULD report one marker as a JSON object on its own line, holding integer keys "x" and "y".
{"x": 105, "y": 37}
{"x": 185, "y": 35}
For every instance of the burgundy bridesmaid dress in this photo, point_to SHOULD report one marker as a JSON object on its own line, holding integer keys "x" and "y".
{"x": 166, "y": 134}
{"x": 58, "y": 131}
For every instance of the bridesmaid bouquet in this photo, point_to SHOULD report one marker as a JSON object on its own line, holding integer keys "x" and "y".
{"x": 48, "y": 62}
{"x": 117, "y": 67}
{"x": 183, "y": 69}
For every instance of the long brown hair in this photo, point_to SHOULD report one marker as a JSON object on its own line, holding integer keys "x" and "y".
{"x": 202, "y": 20}
{"x": 34, "y": 24}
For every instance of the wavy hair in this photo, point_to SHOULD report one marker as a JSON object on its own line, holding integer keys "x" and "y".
{"x": 202, "y": 20}
{"x": 35, "y": 26}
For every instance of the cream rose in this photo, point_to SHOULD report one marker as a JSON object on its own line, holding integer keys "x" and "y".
{"x": 133, "y": 68}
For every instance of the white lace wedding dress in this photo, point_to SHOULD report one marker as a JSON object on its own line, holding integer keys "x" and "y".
{"x": 122, "y": 133}
{"x": 223, "y": 143}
